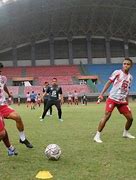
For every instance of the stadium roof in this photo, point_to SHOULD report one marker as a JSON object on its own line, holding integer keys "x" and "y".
{"x": 24, "y": 20}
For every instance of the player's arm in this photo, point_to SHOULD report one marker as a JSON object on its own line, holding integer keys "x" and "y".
{"x": 7, "y": 91}
{"x": 107, "y": 85}
{"x": 61, "y": 95}
{"x": 61, "y": 98}
{"x": 46, "y": 92}
{"x": 127, "y": 98}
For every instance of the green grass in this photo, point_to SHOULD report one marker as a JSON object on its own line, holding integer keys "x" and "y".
{"x": 81, "y": 159}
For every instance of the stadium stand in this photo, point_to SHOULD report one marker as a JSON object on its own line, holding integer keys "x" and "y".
{"x": 52, "y": 71}
{"x": 12, "y": 72}
{"x": 61, "y": 79}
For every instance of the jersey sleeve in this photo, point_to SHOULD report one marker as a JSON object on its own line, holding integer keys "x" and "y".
{"x": 43, "y": 90}
{"x": 114, "y": 75}
{"x": 48, "y": 90}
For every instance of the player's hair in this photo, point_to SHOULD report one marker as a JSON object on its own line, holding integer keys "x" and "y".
{"x": 54, "y": 79}
{"x": 45, "y": 82}
{"x": 1, "y": 65}
{"x": 128, "y": 59}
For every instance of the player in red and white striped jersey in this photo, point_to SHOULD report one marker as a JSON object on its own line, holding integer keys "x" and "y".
{"x": 118, "y": 97}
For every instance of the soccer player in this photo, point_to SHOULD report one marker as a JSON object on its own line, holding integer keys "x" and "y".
{"x": 10, "y": 113}
{"x": 70, "y": 97}
{"x": 55, "y": 98}
{"x": 84, "y": 99}
{"x": 75, "y": 97}
{"x": 4, "y": 137}
{"x": 46, "y": 85}
{"x": 33, "y": 96}
{"x": 118, "y": 97}
{"x": 28, "y": 99}
{"x": 39, "y": 100}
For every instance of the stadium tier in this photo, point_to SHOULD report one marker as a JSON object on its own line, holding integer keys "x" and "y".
{"x": 12, "y": 72}
{"x": 61, "y": 79}
{"x": 52, "y": 71}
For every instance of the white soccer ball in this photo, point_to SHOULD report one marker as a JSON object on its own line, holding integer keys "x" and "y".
{"x": 53, "y": 152}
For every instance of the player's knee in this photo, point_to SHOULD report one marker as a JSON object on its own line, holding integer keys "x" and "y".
{"x": 16, "y": 117}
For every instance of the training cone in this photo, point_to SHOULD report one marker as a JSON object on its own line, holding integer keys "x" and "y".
{"x": 44, "y": 175}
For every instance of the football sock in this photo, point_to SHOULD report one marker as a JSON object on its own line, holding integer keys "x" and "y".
{"x": 98, "y": 134}
{"x": 22, "y": 135}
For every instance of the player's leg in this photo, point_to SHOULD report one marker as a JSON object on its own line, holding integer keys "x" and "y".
{"x": 4, "y": 137}
{"x": 46, "y": 108}
{"x": 128, "y": 125}
{"x": 108, "y": 111}
{"x": 58, "y": 106}
{"x": 51, "y": 111}
{"x": 11, "y": 149}
{"x": 20, "y": 126}
{"x": 126, "y": 111}
{"x": 101, "y": 126}
{"x": 71, "y": 101}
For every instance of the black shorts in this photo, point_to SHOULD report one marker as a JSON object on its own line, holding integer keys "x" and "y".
{"x": 33, "y": 100}
{"x": 50, "y": 103}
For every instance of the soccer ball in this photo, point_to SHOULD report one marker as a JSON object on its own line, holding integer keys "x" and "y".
{"x": 52, "y": 152}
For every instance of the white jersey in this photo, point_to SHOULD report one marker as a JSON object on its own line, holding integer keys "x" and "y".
{"x": 76, "y": 95}
{"x": 121, "y": 85}
{"x": 28, "y": 99}
{"x": 3, "y": 81}
{"x": 70, "y": 97}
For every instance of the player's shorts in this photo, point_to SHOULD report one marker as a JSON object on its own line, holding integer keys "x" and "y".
{"x": 32, "y": 100}
{"x": 5, "y": 110}
{"x": 2, "y": 125}
{"x": 123, "y": 108}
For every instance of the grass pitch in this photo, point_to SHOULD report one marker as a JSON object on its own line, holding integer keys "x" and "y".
{"x": 82, "y": 159}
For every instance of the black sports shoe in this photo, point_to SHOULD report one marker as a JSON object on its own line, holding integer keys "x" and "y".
{"x": 27, "y": 143}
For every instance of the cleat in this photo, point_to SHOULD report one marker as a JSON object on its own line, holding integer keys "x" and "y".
{"x": 27, "y": 143}
{"x": 97, "y": 139}
{"x": 128, "y": 135}
{"x": 12, "y": 152}
{"x": 41, "y": 119}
